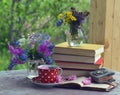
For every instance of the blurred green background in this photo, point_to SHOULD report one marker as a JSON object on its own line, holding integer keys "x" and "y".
{"x": 21, "y": 17}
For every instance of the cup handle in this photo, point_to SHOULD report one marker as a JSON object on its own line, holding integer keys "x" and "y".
{"x": 61, "y": 71}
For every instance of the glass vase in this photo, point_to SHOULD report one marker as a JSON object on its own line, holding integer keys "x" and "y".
{"x": 75, "y": 36}
{"x": 32, "y": 68}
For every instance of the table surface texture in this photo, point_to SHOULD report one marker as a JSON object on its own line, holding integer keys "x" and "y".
{"x": 15, "y": 83}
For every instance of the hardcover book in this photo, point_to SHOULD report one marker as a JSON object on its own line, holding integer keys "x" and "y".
{"x": 102, "y": 75}
{"x": 78, "y": 65}
{"x": 84, "y": 49}
{"x": 77, "y": 72}
{"x": 99, "y": 61}
{"x": 75, "y": 58}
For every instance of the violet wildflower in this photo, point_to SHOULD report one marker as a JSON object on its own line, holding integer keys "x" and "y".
{"x": 11, "y": 48}
{"x": 44, "y": 50}
{"x": 18, "y": 51}
{"x": 36, "y": 47}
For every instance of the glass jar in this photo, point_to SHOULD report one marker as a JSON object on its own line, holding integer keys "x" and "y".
{"x": 75, "y": 36}
{"x": 32, "y": 67}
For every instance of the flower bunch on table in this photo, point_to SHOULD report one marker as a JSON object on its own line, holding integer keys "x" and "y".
{"x": 35, "y": 46}
{"x": 72, "y": 17}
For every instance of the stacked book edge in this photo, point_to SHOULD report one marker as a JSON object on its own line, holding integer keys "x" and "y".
{"x": 78, "y": 60}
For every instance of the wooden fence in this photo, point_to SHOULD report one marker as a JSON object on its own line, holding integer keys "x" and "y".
{"x": 105, "y": 29}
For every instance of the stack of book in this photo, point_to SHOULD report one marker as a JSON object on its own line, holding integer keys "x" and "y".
{"x": 78, "y": 60}
{"x": 102, "y": 75}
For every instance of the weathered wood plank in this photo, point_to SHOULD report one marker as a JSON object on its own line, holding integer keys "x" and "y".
{"x": 116, "y": 37}
{"x": 109, "y": 32}
{"x": 105, "y": 29}
{"x": 97, "y": 21}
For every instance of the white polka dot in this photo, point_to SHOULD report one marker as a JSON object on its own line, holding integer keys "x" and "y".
{"x": 54, "y": 76}
{"x": 51, "y": 79}
{"x": 51, "y": 73}
{"x": 48, "y": 76}
{"x": 45, "y": 73}
{"x": 42, "y": 76}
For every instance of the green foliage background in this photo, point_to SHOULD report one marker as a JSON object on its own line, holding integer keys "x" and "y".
{"x": 21, "y": 17}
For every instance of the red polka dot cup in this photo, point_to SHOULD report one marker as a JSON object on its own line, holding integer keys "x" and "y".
{"x": 48, "y": 73}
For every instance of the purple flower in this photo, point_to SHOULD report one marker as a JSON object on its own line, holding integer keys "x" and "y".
{"x": 80, "y": 16}
{"x": 71, "y": 77}
{"x": 37, "y": 46}
{"x": 72, "y": 17}
{"x": 16, "y": 60}
{"x": 44, "y": 50}
{"x": 87, "y": 81}
{"x": 59, "y": 79}
{"x": 11, "y": 48}
{"x": 19, "y": 56}
{"x": 18, "y": 50}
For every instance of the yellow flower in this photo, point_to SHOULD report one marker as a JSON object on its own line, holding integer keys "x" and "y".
{"x": 60, "y": 16}
{"x": 68, "y": 13}
{"x": 69, "y": 16}
{"x": 73, "y": 18}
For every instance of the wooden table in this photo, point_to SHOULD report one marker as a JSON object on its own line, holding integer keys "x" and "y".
{"x": 15, "y": 83}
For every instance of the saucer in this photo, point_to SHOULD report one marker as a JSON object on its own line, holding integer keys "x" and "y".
{"x": 34, "y": 80}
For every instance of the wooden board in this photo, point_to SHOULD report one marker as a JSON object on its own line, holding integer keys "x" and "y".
{"x": 105, "y": 29}
{"x": 116, "y": 37}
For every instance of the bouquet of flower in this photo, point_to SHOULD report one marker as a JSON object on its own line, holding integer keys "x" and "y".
{"x": 35, "y": 46}
{"x": 72, "y": 17}
{"x": 75, "y": 20}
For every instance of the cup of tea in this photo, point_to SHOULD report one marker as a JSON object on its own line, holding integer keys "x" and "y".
{"x": 48, "y": 73}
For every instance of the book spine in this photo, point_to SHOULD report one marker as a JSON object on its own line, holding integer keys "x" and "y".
{"x": 72, "y": 58}
{"x": 79, "y": 66}
{"x": 78, "y": 73}
{"x": 74, "y": 51}
{"x": 99, "y": 62}
{"x": 84, "y": 49}
{"x": 75, "y": 69}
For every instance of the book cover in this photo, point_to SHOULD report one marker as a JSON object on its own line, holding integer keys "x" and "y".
{"x": 102, "y": 75}
{"x": 74, "y": 58}
{"x": 77, "y": 72}
{"x": 84, "y": 49}
{"x": 78, "y": 65}
{"x": 93, "y": 86}
{"x": 99, "y": 61}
